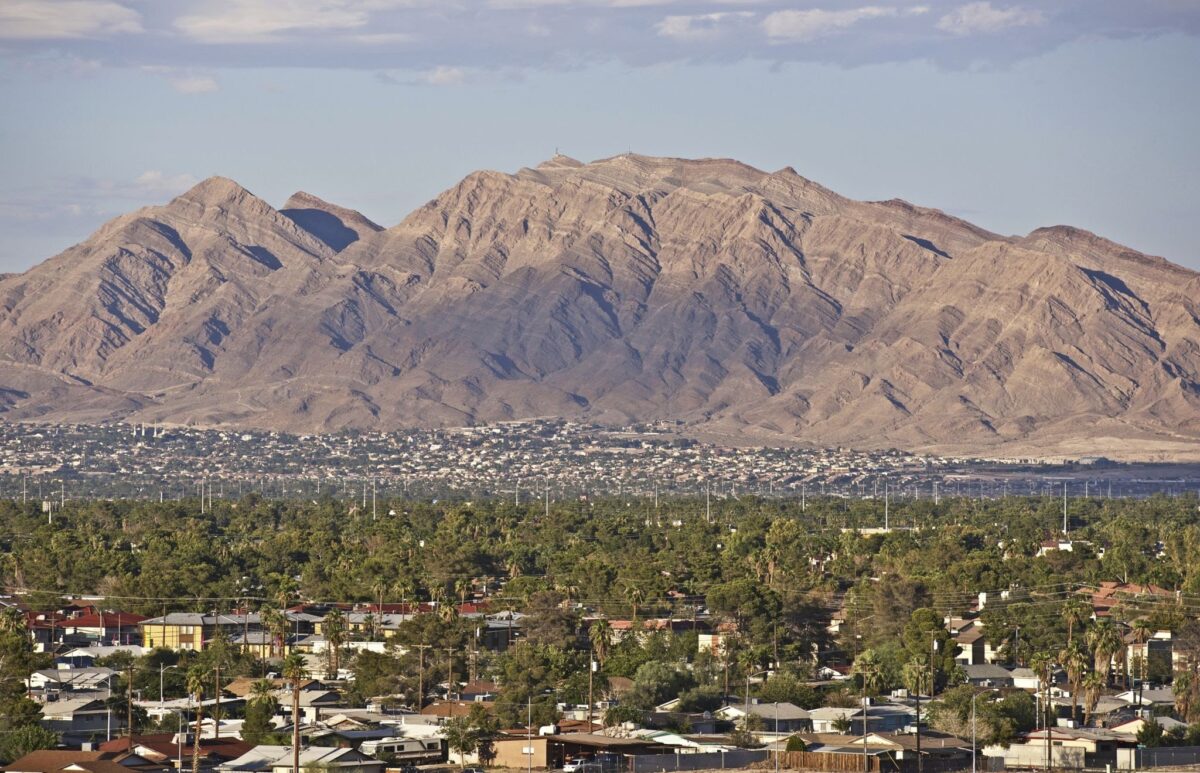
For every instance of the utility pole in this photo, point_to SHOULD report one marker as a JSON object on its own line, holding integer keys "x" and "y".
{"x": 529, "y": 732}
{"x": 886, "y": 527}
{"x": 707, "y": 502}
{"x": 591, "y": 672}
{"x": 128, "y": 700}
{"x": 449, "y": 673}
{"x": 372, "y": 498}
{"x": 421, "y": 674}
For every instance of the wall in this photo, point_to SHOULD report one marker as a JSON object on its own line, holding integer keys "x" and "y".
{"x": 652, "y": 763}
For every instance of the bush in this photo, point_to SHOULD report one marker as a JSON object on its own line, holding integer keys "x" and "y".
{"x": 796, "y": 744}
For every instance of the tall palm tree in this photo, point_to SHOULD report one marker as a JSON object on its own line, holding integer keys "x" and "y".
{"x": 333, "y": 627}
{"x": 1142, "y": 632}
{"x": 196, "y": 676}
{"x": 1075, "y": 661}
{"x": 601, "y": 636}
{"x": 1075, "y": 613}
{"x": 1042, "y": 666}
{"x": 1093, "y": 684}
{"x": 462, "y": 586}
{"x": 276, "y": 624}
{"x": 1105, "y": 640}
{"x": 635, "y": 595}
{"x": 295, "y": 672}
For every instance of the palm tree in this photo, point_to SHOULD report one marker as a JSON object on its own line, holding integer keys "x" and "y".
{"x": 286, "y": 588}
{"x": 295, "y": 672}
{"x": 195, "y": 687}
{"x": 462, "y": 586}
{"x": 334, "y": 630}
{"x": 1093, "y": 684}
{"x": 277, "y": 626}
{"x": 1105, "y": 640}
{"x": 635, "y": 595}
{"x": 601, "y": 635}
{"x": 1075, "y": 661}
{"x": 1042, "y": 665}
{"x": 262, "y": 691}
{"x": 1142, "y": 633}
{"x": 1075, "y": 612}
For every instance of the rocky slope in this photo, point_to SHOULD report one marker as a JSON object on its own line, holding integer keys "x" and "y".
{"x": 760, "y": 307}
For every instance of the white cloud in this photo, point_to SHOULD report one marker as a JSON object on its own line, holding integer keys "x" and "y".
{"x": 65, "y": 19}
{"x": 255, "y": 21}
{"x": 444, "y": 76}
{"x": 817, "y": 22}
{"x": 697, "y": 27}
{"x": 194, "y": 84}
{"x": 983, "y": 17}
{"x": 153, "y": 183}
{"x": 381, "y": 38}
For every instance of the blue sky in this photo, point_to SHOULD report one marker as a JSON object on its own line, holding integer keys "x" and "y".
{"x": 1012, "y": 114}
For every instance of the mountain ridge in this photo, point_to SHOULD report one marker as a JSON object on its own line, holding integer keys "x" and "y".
{"x": 748, "y": 304}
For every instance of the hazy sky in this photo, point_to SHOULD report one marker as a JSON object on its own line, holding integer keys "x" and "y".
{"x": 1012, "y": 114}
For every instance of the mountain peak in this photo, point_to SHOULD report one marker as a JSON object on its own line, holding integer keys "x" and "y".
{"x": 336, "y": 226}
{"x": 215, "y": 190}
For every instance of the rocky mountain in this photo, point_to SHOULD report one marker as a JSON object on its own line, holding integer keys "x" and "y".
{"x": 758, "y": 307}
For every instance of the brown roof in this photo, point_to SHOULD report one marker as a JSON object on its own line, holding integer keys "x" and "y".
{"x": 479, "y": 686}
{"x": 53, "y": 760}
{"x": 454, "y": 708}
{"x": 100, "y": 766}
{"x": 241, "y": 686}
{"x": 164, "y": 745}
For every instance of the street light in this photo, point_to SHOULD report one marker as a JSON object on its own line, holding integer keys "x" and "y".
{"x": 162, "y": 668}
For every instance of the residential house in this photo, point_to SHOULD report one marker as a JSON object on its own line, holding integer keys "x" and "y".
{"x": 99, "y": 626}
{"x": 86, "y": 657}
{"x": 880, "y": 718}
{"x": 193, "y": 630}
{"x": 279, "y": 759}
{"x": 54, "y": 681}
{"x": 773, "y": 718}
{"x": 946, "y": 751}
{"x": 1132, "y": 727}
{"x": 53, "y": 760}
{"x": 988, "y": 675}
{"x": 169, "y": 749}
{"x": 80, "y": 719}
{"x": 1149, "y": 696}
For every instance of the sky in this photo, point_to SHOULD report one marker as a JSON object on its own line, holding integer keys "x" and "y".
{"x": 1013, "y": 115}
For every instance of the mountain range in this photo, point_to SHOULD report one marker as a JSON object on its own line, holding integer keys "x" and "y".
{"x": 752, "y": 307}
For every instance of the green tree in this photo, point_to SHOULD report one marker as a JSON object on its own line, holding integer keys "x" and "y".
{"x": 17, "y": 742}
{"x": 261, "y": 706}
{"x": 460, "y": 737}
